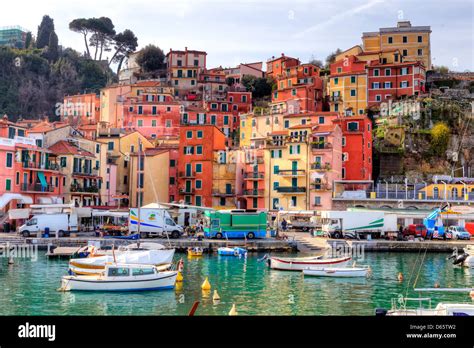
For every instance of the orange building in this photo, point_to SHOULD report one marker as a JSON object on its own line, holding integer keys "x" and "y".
{"x": 276, "y": 67}
{"x": 81, "y": 109}
{"x": 184, "y": 69}
{"x": 197, "y": 147}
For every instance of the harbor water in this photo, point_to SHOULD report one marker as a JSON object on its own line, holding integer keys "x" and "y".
{"x": 29, "y": 288}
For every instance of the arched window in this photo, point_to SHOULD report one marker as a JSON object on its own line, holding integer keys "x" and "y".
{"x": 454, "y": 193}
{"x": 435, "y": 193}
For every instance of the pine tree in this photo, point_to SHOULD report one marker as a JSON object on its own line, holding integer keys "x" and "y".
{"x": 44, "y": 32}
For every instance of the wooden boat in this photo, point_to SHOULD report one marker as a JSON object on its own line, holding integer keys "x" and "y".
{"x": 121, "y": 277}
{"x": 342, "y": 272}
{"x": 94, "y": 265}
{"x": 195, "y": 251}
{"x": 235, "y": 251}
{"x": 301, "y": 263}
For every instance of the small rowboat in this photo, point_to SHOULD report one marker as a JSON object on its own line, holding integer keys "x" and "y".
{"x": 122, "y": 277}
{"x": 345, "y": 272}
{"x": 196, "y": 251}
{"x": 236, "y": 251}
{"x": 301, "y": 263}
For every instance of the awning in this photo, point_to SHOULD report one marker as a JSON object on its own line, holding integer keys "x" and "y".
{"x": 14, "y": 214}
{"x": 45, "y": 200}
{"x": 42, "y": 179}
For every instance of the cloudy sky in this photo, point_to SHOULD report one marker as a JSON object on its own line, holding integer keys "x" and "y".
{"x": 237, "y": 31}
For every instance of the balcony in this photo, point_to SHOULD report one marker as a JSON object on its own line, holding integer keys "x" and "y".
{"x": 187, "y": 175}
{"x": 254, "y": 175}
{"x": 84, "y": 189}
{"x": 316, "y": 146}
{"x": 43, "y": 166}
{"x": 318, "y": 186}
{"x": 36, "y": 188}
{"x": 89, "y": 172}
{"x": 218, "y": 193}
{"x": 275, "y": 143}
{"x": 187, "y": 191}
{"x": 335, "y": 99}
{"x": 254, "y": 193}
{"x": 291, "y": 189}
{"x": 292, "y": 173}
{"x": 320, "y": 167}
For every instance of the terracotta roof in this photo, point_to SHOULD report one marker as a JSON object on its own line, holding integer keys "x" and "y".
{"x": 47, "y": 127}
{"x": 369, "y": 53}
{"x": 63, "y": 147}
{"x": 151, "y": 152}
{"x": 88, "y": 127}
{"x": 301, "y": 126}
{"x": 323, "y": 128}
{"x": 284, "y": 132}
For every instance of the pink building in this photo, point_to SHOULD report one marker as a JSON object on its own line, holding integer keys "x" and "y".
{"x": 325, "y": 164}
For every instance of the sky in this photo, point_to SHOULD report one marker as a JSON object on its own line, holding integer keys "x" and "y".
{"x": 244, "y": 31}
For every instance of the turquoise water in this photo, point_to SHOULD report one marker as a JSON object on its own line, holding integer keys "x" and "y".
{"x": 29, "y": 288}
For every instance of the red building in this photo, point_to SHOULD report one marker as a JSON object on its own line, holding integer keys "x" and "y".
{"x": 299, "y": 90}
{"x": 393, "y": 81}
{"x": 277, "y": 66}
{"x": 197, "y": 144}
{"x": 356, "y": 147}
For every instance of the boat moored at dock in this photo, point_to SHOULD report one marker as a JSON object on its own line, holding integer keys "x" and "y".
{"x": 341, "y": 272}
{"x": 301, "y": 263}
{"x": 121, "y": 277}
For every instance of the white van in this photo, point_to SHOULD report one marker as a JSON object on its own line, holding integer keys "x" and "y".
{"x": 153, "y": 223}
{"x": 63, "y": 224}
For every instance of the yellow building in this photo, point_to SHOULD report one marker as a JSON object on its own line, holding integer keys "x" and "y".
{"x": 412, "y": 41}
{"x": 286, "y": 176}
{"x": 223, "y": 183}
{"x": 118, "y": 148}
{"x": 149, "y": 184}
{"x": 255, "y": 127}
{"x": 457, "y": 191}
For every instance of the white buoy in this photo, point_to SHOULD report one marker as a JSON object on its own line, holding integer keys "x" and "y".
{"x": 233, "y": 310}
{"x": 216, "y": 297}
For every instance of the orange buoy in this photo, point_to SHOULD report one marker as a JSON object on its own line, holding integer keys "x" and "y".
{"x": 400, "y": 277}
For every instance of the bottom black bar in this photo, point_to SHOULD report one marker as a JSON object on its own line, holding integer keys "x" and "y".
{"x": 290, "y": 331}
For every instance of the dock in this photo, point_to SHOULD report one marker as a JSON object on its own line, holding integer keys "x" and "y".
{"x": 61, "y": 252}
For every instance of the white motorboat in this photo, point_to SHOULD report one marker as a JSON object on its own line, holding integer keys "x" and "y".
{"x": 94, "y": 265}
{"x": 121, "y": 277}
{"x": 301, "y": 263}
{"x": 442, "y": 309}
{"x": 342, "y": 272}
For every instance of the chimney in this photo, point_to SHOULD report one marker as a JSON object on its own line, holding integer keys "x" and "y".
{"x": 282, "y": 54}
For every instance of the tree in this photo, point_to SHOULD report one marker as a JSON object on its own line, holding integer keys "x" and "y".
{"x": 82, "y": 26}
{"x": 102, "y": 34}
{"x": 44, "y": 32}
{"x": 316, "y": 62}
{"x": 262, "y": 88}
{"x": 440, "y": 134}
{"x": 125, "y": 44}
{"x": 332, "y": 57}
{"x": 441, "y": 69}
{"x": 229, "y": 81}
{"x": 53, "y": 47}
{"x": 28, "y": 40}
{"x": 248, "y": 81}
{"x": 151, "y": 58}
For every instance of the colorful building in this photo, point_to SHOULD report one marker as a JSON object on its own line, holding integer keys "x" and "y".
{"x": 276, "y": 67}
{"x": 81, "y": 109}
{"x": 184, "y": 69}
{"x": 413, "y": 41}
{"x": 197, "y": 147}
{"x": 235, "y": 74}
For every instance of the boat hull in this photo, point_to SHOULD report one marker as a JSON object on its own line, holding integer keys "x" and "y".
{"x": 337, "y": 272}
{"x": 160, "y": 281}
{"x": 301, "y": 264}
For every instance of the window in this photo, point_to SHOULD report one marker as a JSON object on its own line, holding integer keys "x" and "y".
{"x": 140, "y": 123}
{"x": 198, "y": 201}
{"x": 339, "y": 70}
{"x": 390, "y": 40}
{"x": 276, "y": 169}
{"x": 353, "y": 79}
{"x": 387, "y": 85}
{"x": 140, "y": 110}
{"x": 188, "y": 150}
{"x": 404, "y": 71}
{"x": 321, "y": 120}
{"x": 361, "y": 111}
{"x": 226, "y": 120}
{"x": 376, "y": 72}
{"x": 244, "y": 99}
{"x": 8, "y": 184}
{"x": 293, "y": 91}
{"x": 97, "y": 148}
{"x": 276, "y": 184}
{"x": 420, "y": 52}
{"x": 336, "y": 80}
{"x": 189, "y": 134}
{"x": 110, "y": 145}
{"x": 353, "y": 92}
{"x": 294, "y": 201}
{"x": 199, "y": 150}
{"x": 343, "y": 173}
{"x": 405, "y": 39}
{"x": 375, "y": 85}
{"x": 420, "y": 38}
{"x": 276, "y": 203}
{"x": 199, "y": 134}
{"x": 213, "y": 119}
{"x": 353, "y": 126}
{"x": 403, "y": 84}
{"x": 405, "y": 53}
{"x": 287, "y": 123}
{"x": 388, "y": 72}
{"x": 345, "y": 157}
{"x": 9, "y": 163}
{"x": 378, "y": 97}
{"x": 336, "y": 107}
{"x": 317, "y": 200}
{"x": 198, "y": 168}
{"x": 153, "y": 123}
{"x": 343, "y": 141}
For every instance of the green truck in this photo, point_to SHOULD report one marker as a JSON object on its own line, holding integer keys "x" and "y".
{"x": 235, "y": 224}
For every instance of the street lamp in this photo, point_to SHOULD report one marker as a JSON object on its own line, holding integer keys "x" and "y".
{"x": 465, "y": 188}
{"x": 445, "y": 189}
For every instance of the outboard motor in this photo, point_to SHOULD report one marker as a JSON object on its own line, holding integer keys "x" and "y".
{"x": 380, "y": 312}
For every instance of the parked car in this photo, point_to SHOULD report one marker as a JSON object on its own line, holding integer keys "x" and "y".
{"x": 459, "y": 232}
{"x": 415, "y": 230}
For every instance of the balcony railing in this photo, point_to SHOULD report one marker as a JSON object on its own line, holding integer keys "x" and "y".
{"x": 320, "y": 166}
{"x": 256, "y": 193}
{"x": 43, "y": 166}
{"x": 85, "y": 172}
{"x": 335, "y": 99}
{"x": 292, "y": 172}
{"x": 320, "y": 146}
{"x": 36, "y": 188}
{"x": 187, "y": 174}
{"x": 219, "y": 193}
{"x": 86, "y": 189}
{"x": 186, "y": 191}
{"x": 291, "y": 189}
{"x": 319, "y": 186}
{"x": 402, "y": 195}
{"x": 254, "y": 175}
